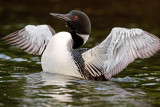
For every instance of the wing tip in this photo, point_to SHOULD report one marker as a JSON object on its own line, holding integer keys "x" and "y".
{"x": 12, "y": 35}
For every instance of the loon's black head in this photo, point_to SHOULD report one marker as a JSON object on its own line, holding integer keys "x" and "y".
{"x": 79, "y": 24}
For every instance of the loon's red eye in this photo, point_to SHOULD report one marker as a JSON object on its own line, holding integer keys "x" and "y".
{"x": 75, "y": 17}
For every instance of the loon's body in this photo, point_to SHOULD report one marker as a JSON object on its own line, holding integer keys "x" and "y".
{"x": 61, "y": 53}
{"x": 57, "y": 55}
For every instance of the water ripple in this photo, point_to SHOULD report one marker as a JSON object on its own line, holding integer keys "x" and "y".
{"x": 2, "y": 56}
{"x": 149, "y": 84}
{"x": 125, "y": 79}
{"x": 19, "y": 59}
{"x": 5, "y": 57}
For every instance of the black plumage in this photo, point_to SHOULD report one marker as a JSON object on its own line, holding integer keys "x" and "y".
{"x": 80, "y": 62}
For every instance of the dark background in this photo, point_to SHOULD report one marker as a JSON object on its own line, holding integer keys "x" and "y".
{"x": 104, "y": 14}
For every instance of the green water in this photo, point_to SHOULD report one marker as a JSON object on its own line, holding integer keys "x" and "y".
{"x": 22, "y": 82}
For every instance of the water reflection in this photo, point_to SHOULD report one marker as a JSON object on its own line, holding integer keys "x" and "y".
{"x": 53, "y": 85}
{"x": 60, "y": 88}
{"x": 61, "y": 82}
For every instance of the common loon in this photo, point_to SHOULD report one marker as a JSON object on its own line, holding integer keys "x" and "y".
{"x": 61, "y": 54}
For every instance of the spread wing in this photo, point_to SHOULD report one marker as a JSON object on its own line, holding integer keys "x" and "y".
{"x": 33, "y": 39}
{"x": 120, "y": 48}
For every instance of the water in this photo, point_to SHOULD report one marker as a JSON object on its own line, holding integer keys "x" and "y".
{"x": 22, "y": 82}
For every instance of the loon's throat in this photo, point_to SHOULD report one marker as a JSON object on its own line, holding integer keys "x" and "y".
{"x": 77, "y": 40}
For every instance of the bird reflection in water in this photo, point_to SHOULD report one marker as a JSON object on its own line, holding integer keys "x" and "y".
{"x": 62, "y": 88}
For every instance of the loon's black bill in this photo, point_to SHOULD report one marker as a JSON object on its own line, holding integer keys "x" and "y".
{"x": 60, "y": 16}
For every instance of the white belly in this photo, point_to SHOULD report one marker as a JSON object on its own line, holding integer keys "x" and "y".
{"x": 57, "y": 58}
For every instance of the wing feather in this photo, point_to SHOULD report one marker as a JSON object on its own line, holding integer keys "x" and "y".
{"x": 33, "y": 39}
{"x": 120, "y": 48}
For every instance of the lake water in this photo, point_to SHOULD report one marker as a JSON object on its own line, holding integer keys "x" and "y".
{"x": 22, "y": 82}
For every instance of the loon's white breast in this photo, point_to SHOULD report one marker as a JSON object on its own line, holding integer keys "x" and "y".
{"x": 57, "y": 56}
